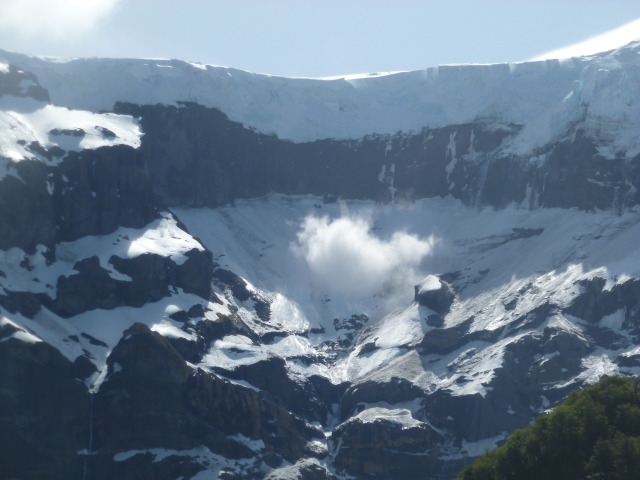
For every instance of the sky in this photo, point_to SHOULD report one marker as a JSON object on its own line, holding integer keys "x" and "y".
{"x": 316, "y": 38}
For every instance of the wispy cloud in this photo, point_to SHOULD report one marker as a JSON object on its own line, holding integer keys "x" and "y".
{"x": 57, "y": 19}
{"x": 600, "y": 43}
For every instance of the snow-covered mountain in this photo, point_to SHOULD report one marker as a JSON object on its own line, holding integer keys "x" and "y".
{"x": 207, "y": 273}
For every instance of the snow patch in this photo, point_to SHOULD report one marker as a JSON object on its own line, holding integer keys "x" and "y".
{"x": 400, "y": 416}
{"x": 613, "y": 321}
{"x": 20, "y": 334}
{"x": 25, "y": 120}
{"x": 165, "y": 238}
{"x": 596, "y": 367}
{"x": 32, "y": 273}
{"x": 428, "y": 284}
{"x": 167, "y": 329}
{"x": 480, "y": 447}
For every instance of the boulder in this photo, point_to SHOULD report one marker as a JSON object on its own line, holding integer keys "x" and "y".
{"x": 434, "y": 293}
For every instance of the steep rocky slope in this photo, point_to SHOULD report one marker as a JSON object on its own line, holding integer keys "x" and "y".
{"x": 211, "y": 274}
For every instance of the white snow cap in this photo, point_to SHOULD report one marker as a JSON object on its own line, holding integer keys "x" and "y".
{"x": 545, "y": 97}
{"x": 610, "y": 40}
{"x": 429, "y": 283}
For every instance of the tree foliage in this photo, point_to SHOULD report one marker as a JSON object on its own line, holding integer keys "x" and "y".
{"x": 593, "y": 435}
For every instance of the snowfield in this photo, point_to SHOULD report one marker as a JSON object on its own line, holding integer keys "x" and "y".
{"x": 24, "y": 120}
{"x": 542, "y": 96}
{"x": 258, "y": 239}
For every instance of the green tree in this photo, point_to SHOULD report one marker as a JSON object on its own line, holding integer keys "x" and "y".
{"x": 594, "y": 434}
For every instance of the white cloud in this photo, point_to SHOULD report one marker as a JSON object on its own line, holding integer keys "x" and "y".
{"x": 57, "y": 19}
{"x": 600, "y": 43}
{"x": 345, "y": 257}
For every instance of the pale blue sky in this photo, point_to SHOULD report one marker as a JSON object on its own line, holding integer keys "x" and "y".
{"x": 309, "y": 37}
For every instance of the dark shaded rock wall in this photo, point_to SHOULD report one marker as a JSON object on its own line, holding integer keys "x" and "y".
{"x": 150, "y": 399}
{"x": 200, "y": 157}
{"x": 384, "y": 449}
{"x": 44, "y": 413}
{"x": 90, "y": 193}
{"x": 91, "y": 287}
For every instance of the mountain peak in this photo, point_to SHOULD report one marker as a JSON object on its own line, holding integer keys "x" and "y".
{"x": 625, "y": 36}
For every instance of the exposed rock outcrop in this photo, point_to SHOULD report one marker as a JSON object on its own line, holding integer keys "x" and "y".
{"x": 44, "y": 419}
{"x": 385, "y": 448}
{"x": 183, "y": 408}
{"x": 434, "y": 293}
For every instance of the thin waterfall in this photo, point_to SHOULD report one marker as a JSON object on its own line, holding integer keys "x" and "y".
{"x": 89, "y": 451}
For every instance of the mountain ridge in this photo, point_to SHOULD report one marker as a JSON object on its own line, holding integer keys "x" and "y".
{"x": 198, "y": 297}
{"x": 403, "y": 101}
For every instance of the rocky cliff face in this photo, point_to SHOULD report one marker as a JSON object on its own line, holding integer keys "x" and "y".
{"x": 191, "y": 286}
{"x": 217, "y": 161}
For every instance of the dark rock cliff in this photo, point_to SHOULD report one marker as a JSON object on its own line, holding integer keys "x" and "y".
{"x": 200, "y": 157}
{"x": 44, "y": 412}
